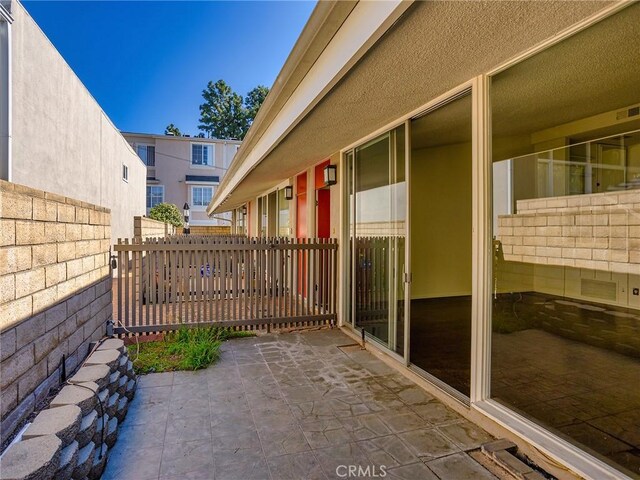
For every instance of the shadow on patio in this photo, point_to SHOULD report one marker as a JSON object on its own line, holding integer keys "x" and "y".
{"x": 291, "y": 406}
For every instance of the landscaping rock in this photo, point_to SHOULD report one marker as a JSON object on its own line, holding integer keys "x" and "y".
{"x": 34, "y": 459}
{"x": 131, "y": 389}
{"x": 121, "y": 411}
{"x": 82, "y": 396}
{"x": 112, "y": 344}
{"x": 130, "y": 372}
{"x": 97, "y": 436}
{"x": 85, "y": 461}
{"x": 63, "y": 422}
{"x": 122, "y": 364}
{"x": 122, "y": 385}
{"x": 93, "y": 373}
{"x": 112, "y": 405}
{"x": 103, "y": 396}
{"x": 112, "y": 432}
{"x": 114, "y": 382}
{"x": 104, "y": 357}
{"x": 68, "y": 462}
{"x": 88, "y": 426}
{"x": 99, "y": 461}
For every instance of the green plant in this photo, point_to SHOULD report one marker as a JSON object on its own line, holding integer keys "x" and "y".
{"x": 167, "y": 213}
{"x": 185, "y": 349}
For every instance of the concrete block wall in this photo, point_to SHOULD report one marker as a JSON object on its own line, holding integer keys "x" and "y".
{"x": 207, "y": 230}
{"x": 144, "y": 227}
{"x": 55, "y": 292}
{"x": 598, "y": 231}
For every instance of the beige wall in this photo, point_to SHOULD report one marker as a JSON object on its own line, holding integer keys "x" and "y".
{"x": 173, "y": 164}
{"x": 441, "y": 221}
{"x": 62, "y": 141}
{"x": 55, "y": 292}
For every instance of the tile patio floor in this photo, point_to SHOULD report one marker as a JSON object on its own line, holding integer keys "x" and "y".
{"x": 291, "y": 406}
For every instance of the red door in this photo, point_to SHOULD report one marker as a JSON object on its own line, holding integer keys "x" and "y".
{"x": 301, "y": 206}
{"x": 323, "y": 213}
{"x": 301, "y": 228}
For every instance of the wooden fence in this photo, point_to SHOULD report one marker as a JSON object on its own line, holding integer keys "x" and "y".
{"x": 164, "y": 283}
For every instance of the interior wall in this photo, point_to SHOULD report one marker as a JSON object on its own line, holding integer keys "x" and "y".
{"x": 562, "y": 281}
{"x": 441, "y": 221}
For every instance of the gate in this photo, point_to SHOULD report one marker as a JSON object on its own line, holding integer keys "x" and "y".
{"x": 165, "y": 283}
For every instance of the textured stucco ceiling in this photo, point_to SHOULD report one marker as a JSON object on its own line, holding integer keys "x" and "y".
{"x": 433, "y": 48}
{"x": 585, "y": 75}
{"x": 449, "y": 124}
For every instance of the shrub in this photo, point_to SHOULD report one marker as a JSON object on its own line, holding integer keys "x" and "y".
{"x": 167, "y": 213}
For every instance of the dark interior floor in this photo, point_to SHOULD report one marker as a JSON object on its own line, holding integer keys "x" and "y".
{"x": 571, "y": 366}
{"x": 441, "y": 339}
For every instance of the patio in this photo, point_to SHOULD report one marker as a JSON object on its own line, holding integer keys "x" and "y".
{"x": 291, "y": 406}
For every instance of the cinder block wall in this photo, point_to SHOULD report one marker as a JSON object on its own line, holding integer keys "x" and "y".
{"x": 207, "y": 230}
{"x": 55, "y": 292}
{"x": 600, "y": 231}
{"x": 144, "y": 227}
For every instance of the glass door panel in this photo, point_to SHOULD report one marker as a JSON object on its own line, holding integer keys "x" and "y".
{"x": 377, "y": 230}
{"x": 441, "y": 244}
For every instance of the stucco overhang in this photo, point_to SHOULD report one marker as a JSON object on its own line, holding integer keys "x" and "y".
{"x": 428, "y": 49}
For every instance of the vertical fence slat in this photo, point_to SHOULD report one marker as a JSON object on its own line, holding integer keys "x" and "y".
{"x": 134, "y": 290}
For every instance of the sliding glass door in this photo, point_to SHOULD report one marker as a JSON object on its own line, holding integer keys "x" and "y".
{"x": 441, "y": 236}
{"x": 377, "y": 217}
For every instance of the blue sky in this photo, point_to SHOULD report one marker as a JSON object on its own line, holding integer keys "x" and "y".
{"x": 147, "y": 63}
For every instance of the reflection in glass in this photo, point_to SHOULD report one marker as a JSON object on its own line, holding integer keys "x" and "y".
{"x": 566, "y": 173}
{"x": 284, "y": 229}
{"x": 377, "y": 225}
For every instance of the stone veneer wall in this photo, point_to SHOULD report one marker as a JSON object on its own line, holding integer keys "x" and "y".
{"x": 597, "y": 231}
{"x": 144, "y": 227}
{"x": 55, "y": 292}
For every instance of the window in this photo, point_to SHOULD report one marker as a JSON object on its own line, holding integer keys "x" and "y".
{"x": 201, "y": 155}
{"x": 147, "y": 154}
{"x": 155, "y": 195}
{"x": 565, "y": 194}
{"x": 283, "y": 214}
{"x": 125, "y": 173}
{"x": 201, "y": 196}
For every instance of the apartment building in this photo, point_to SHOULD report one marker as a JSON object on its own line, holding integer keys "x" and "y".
{"x": 479, "y": 164}
{"x": 183, "y": 169}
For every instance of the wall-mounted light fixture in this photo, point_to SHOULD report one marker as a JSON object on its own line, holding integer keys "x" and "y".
{"x": 288, "y": 192}
{"x": 244, "y": 209}
{"x": 330, "y": 175}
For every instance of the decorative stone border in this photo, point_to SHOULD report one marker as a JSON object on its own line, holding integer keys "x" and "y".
{"x": 72, "y": 438}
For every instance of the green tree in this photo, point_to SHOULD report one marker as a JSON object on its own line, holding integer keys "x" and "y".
{"x": 168, "y": 213}
{"x": 172, "y": 130}
{"x": 222, "y": 113}
{"x": 253, "y": 102}
{"x": 225, "y": 114}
